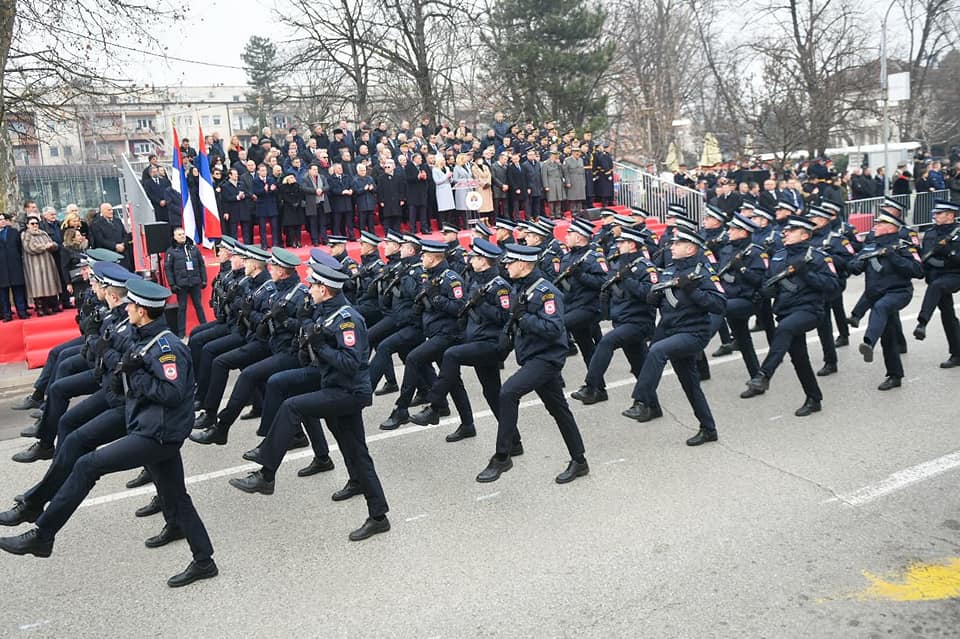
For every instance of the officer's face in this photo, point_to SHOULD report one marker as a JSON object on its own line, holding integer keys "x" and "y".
{"x": 760, "y": 221}
{"x": 884, "y": 228}
{"x": 390, "y": 248}
{"x": 407, "y": 250}
{"x": 276, "y": 272}
{"x": 251, "y": 266}
{"x": 479, "y": 263}
{"x": 517, "y": 269}
{"x": 820, "y": 221}
{"x": 736, "y": 233}
{"x": 681, "y": 250}
{"x": 793, "y": 235}
{"x": 236, "y": 262}
{"x": 430, "y": 260}
{"x": 575, "y": 239}
{"x": 626, "y": 246}
{"x": 98, "y": 290}
{"x": 367, "y": 249}
{"x": 136, "y": 314}
{"x": 944, "y": 217}
{"x": 318, "y": 293}
{"x": 711, "y": 223}
{"x": 533, "y": 239}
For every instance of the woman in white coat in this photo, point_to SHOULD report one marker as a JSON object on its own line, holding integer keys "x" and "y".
{"x": 443, "y": 177}
{"x": 462, "y": 177}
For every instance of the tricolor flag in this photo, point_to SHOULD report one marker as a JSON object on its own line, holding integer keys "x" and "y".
{"x": 189, "y": 222}
{"x": 208, "y": 197}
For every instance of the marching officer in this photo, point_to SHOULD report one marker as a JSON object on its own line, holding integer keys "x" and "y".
{"x": 438, "y": 304}
{"x": 539, "y": 339}
{"x": 889, "y": 263}
{"x": 800, "y": 279}
{"x": 845, "y": 231}
{"x": 687, "y": 294}
{"x": 371, "y": 268}
{"x": 387, "y": 325}
{"x": 338, "y": 249}
{"x": 340, "y": 350}
{"x": 231, "y": 272}
{"x": 714, "y": 233}
{"x": 455, "y": 254}
{"x": 625, "y": 295}
{"x": 941, "y": 258}
{"x": 487, "y": 311}
{"x": 582, "y": 273}
{"x": 839, "y": 248}
{"x": 158, "y": 375}
{"x": 538, "y": 236}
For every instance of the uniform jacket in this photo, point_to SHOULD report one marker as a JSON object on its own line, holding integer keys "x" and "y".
{"x": 489, "y": 299}
{"x": 281, "y": 322}
{"x": 815, "y": 281}
{"x": 890, "y": 272}
{"x": 589, "y": 272}
{"x": 551, "y": 175}
{"x": 628, "y": 291}
{"x": 539, "y": 331}
{"x": 445, "y": 297}
{"x": 256, "y": 303}
{"x": 941, "y": 251}
{"x": 688, "y": 310}
{"x": 341, "y": 349}
{"x": 184, "y": 266}
{"x": 574, "y": 176}
{"x": 746, "y": 274}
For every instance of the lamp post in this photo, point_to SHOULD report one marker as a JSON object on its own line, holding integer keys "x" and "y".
{"x": 885, "y": 94}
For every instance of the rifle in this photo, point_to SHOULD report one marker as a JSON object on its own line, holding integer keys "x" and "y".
{"x": 953, "y": 238}
{"x": 570, "y": 269}
{"x": 787, "y": 272}
{"x": 736, "y": 258}
{"x": 475, "y": 299}
{"x": 619, "y": 274}
{"x": 695, "y": 276}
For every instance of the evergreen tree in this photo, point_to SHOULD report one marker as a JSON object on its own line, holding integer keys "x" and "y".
{"x": 260, "y": 59}
{"x": 549, "y": 56}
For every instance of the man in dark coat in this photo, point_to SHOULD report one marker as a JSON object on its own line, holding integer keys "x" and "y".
{"x": 392, "y": 193}
{"x": 517, "y": 182}
{"x": 603, "y": 175}
{"x": 106, "y": 231}
{"x": 11, "y": 271}
{"x": 531, "y": 173}
{"x": 418, "y": 177}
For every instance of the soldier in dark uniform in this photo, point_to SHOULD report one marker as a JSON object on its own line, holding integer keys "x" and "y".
{"x": 218, "y": 327}
{"x": 889, "y": 263}
{"x": 539, "y": 236}
{"x": 846, "y": 231}
{"x": 651, "y": 241}
{"x": 714, "y": 234}
{"x": 687, "y": 294}
{"x": 769, "y": 238}
{"x": 582, "y": 272}
{"x": 743, "y": 266}
{"x": 588, "y": 166}
{"x": 158, "y": 375}
{"x": 439, "y": 302}
{"x": 603, "y": 175}
{"x": 941, "y": 259}
{"x": 338, "y": 249}
{"x": 387, "y": 325}
{"x": 624, "y": 295}
{"x": 455, "y": 252}
{"x": 338, "y": 341}
{"x": 800, "y": 279}
{"x": 371, "y": 268}
{"x": 605, "y": 240}
{"x": 279, "y": 326}
{"x": 486, "y": 312}
{"x": 840, "y": 249}
{"x": 539, "y": 339}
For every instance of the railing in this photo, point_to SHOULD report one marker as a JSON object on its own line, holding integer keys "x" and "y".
{"x": 918, "y": 205}
{"x": 633, "y": 187}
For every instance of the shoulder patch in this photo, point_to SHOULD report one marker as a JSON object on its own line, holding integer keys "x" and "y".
{"x": 169, "y": 357}
{"x": 548, "y": 296}
{"x": 164, "y": 345}
{"x": 346, "y": 325}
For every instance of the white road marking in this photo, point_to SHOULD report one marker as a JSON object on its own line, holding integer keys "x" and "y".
{"x": 416, "y": 517}
{"x": 900, "y": 480}
{"x": 490, "y": 496}
{"x": 614, "y": 461}
{"x": 776, "y": 417}
{"x": 33, "y": 626}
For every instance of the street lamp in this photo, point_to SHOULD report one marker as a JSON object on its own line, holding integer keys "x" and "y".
{"x": 885, "y": 93}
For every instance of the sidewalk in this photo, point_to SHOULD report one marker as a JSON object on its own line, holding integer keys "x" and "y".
{"x": 15, "y": 377}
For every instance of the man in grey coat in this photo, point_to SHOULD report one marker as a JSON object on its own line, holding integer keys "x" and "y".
{"x": 314, "y": 187}
{"x": 501, "y": 189}
{"x": 551, "y": 173}
{"x": 574, "y": 182}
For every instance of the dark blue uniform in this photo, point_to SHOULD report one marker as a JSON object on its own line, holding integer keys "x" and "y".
{"x": 586, "y": 271}
{"x": 386, "y": 325}
{"x": 743, "y": 266}
{"x": 941, "y": 259}
{"x": 371, "y": 267}
{"x": 834, "y": 244}
{"x": 223, "y": 286}
{"x": 237, "y": 299}
{"x": 407, "y": 329}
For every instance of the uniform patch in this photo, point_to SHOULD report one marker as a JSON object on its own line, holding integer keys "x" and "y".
{"x": 654, "y": 278}
{"x": 457, "y": 292}
{"x": 603, "y": 264}
{"x": 916, "y": 255}
{"x": 164, "y": 345}
{"x": 346, "y": 325}
{"x": 849, "y": 247}
{"x": 349, "y": 338}
{"x": 504, "y": 301}
{"x": 556, "y": 265}
{"x": 716, "y": 282}
{"x": 548, "y": 296}
{"x": 168, "y": 358}
{"x": 915, "y": 239}
{"x": 549, "y": 307}
{"x": 829, "y": 261}
{"x": 170, "y": 372}
{"x": 710, "y": 257}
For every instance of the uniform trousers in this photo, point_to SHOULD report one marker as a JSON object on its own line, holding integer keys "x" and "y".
{"x": 631, "y": 337}
{"x": 882, "y": 327}
{"x": 58, "y": 400}
{"x": 738, "y": 315}
{"x": 682, "y": 351}
{"x": 131, "y": 451}
{"x": 480, "y": 355}
{"x": 193, "y": 294}
{"x": 545, "y": 379}
{"x": 790, "y": 336}
{"x": 54, "y": 357}
{"x": 83, "y": 412}
{"x": 253, "y": 378}
{"x": 342, "y": 412}
{"x": 210, "y": 351}
{"x": 286, "y": 384}
{"x": 203, "y": 335}
{"x": 825, "y": 333}
{"x": 384, "y": 328}
{"x": 418, "y": 367}
{"x": 238, "y": 358}
{"x": 581, "y": 323}
{"x": 839, "y": 312}
{"x": 939, "y": 295}
{"x": 401, "y": 341}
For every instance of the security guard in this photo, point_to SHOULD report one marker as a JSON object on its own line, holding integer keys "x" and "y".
{"x": 625, "y": 295}
{"x": 455, "y": 252}
{"x": 487, "y": 311}
{"x": 231, "y": 271}
{"x": 582, "y": 272}
{"x": 687, "y": 294}
{"x": 800, "y": 279}
{"x": 371, "y": 268}
{"x": 279, "y": 327}
{"x": 845, "y": 231}
{"x": 539, "y": 338}
{"x": 341, "y": 350}
{"x": 158, "y": 374}
{"x": 840, "y": 249}
{"x": 538, "y": 236}
{"x": 387, "y": 325}
{"x": 338, "y": 249}
{"x": 770, "y": 238}
{"x": 439, "y": 303}
{"x": 941, "y": 259}
{"x": 714, "y": 234}
{"x": 743, "y": 266}
{"x": 889, "y": 263}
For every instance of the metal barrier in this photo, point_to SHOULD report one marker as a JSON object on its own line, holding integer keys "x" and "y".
{"x": 633, "y": 187}
{"x": 918, "y": 205}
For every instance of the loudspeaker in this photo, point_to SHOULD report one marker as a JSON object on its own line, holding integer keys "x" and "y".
{"x": 158, "y": 236}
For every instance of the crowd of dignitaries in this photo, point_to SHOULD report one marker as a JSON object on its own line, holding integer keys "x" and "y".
{"x": 315, "y": 352}
{"x": 341, "y": 180}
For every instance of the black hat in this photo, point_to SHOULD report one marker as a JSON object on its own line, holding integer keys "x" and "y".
{"x": 541, "y": 229}
{"x": 676, "y": 209}
{"x": 487, "y": 249}
{"x": 887, "y": 218}
{"x": 394, "y": 236}
{"x": 716, "y": 213}
{"x": 449, "y": 228}
{"x": 283, "y": 257}
{"x": 410, "y": 238}
{"x": 944, "y": 206}
{"x": 890, "y": 203}
{"x": 228, "y": 243}
{"x": 319, "y": 256}
{"x": 337, "y": 239}
{"x": 684, "y": 235}
{"x": 800, "y": 222}
{"x": 102, "y": 255}
{"x": 146, "y": 293}
{"x": 505, "y": 224}
{"x": 323, "y": 274}
{"x": 682, "y": 222}
{"x": 628, "y": 234}
{"x": 787, "y": 206}
{"x": 636, "y": 210}
{"x": 254, "y": 252}
{"x": 582, "y": 227}
{"x": 482, "y": 228}
{"x": 111, "y": 274}
{"x": 623, "y": 220}
{"x": 741, "y": 222}
{"x": 762, "y": 211}
{"x": 521, "y": 253}
{"x": 818, "y": 211}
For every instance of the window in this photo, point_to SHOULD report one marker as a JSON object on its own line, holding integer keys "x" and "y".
{"x": 54, "y": 152}
{"x": 216, "y": 120}
{"x": 67, "y": 151}
{"x": 186, "y": 120}
{"x": 279, "y": 121}
{"x": 236, "y": 98}
{"x": 142, "y": 148}
{"x": 205, "y": 120}
{"x": 144, "y": 123}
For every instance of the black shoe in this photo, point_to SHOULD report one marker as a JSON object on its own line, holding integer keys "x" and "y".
{"x": 642, "y": 412}
{"x": 494, "y": 469}
{"x": 140, "y": 480}
{"x": 253, "y": 413}
{"x": 828, "y": 369}
{"x": 809, "y": 406}
{"x": 204, "y": 421}
{"x": 842, "y": 340}
{"x": 387, "y": 389}
{"x": 253, "y": 455}
{"x": 350, "y": 489}
{"x": 427, "y": 416}
{"x": 574, "y": 469}
{"x": 463, "y": 432}
{"x": 370, "y": 528}
{"x": 725, "y": 349}
{"x": 30, "y": 431}
{"x": 152, "y": 508}
{"x": 517, "y": 450}
{"x": 318, "y": 465}
{"x": 590, "y": 396}
{"x": 757, "y": 385}
{"x": 194, "y": 572}
{"x": 297, "y": 441}
{"x": 167, "y": 535}
{"x": 29, "y": 543}
{"x": 36, "y": 413}
{"x": 953, "y": 362}
{"x": 702, "y": 437}
{"x": 419, "y": 399}
{"x": 920, "y": 332}
{"x": 867, "y": 351}
{"x": 27, "y": 403}
{"x": 253, "y": 483}
{"x": 211, "y": 435}
{"x": 889, "y": 383}
{"x": 444, "y": 411}
{"x": 19, "y": 514}
{"x": 35, "y": 452}
{"x": 398, "y": 417}
{"x": 853, "y": 321}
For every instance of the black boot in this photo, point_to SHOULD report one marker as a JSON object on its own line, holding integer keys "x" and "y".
{"x": 574, "y": 469}
{"x": 387, "y": 389}
{"x": 194, "y": 572}
{"x": 370, "y": 528}
{"x": 35, "y": 452}
{"x": 810, "y": 405}
{"x": 463, "y": 432}
{"x": 428, "y": 415}
{"x": 398, "y": 417}
{"x": 140, "y": 480}
{"x": 29, "y": 543}
{"x": 255, "y": 482}
{"x": 920, "y": 332}
{"x": 213, "y": 435}
{"x": 19, "y": 514}
{"x": 702, "y": 437}
{"x": 317, "y": 465}
{"x": 152, "y": 508}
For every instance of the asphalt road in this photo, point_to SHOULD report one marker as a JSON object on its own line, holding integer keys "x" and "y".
{"x": 767, "y": 533}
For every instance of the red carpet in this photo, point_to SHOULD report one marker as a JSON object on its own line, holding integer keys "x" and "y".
{"x": 30, "y": 340}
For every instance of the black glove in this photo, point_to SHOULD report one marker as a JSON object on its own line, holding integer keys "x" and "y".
{"x": 280, "y": 313}
{"x": 653, "y": 297}
{"x": 116, "y": 385}
{"x": 520, "y": 308}
{"x": 309, "y": 331}
{"x": 247, "y": 304}
{"x": 436, "y": 301}
{"x": 685, "y": 282}
{"x": 101, "y": 347}
{"x": 505, "y": 341}
{"x": 305, "y": 311}
{"x": 303, "y": 357}
{"x": 942, "y": 248}
{"x": 263, "y": 331}
{"x": 330, "y": 337}
{"x": 131, "y": 361}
